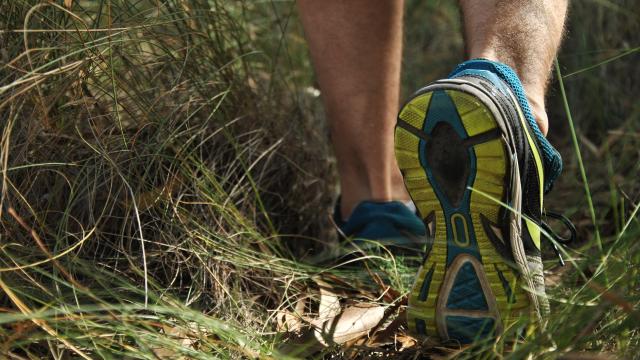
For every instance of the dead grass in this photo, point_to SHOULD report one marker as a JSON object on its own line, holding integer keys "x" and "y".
{"x": 166, "y": 179}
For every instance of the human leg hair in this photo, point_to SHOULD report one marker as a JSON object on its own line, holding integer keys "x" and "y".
{"x": 524, "y": 34}
{"x": 356, "y": 48}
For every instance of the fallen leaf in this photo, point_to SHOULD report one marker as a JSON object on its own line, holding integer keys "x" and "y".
{"x": 406, "y": 341}
{"x": 354, "y": 322}
{"x": 329, "y": 302}
{"x": 334, "y": 323}
{"x": 292, "y": 322}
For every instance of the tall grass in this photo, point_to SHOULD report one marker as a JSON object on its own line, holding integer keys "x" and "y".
{"x": 145, "y": 147}
{"x": 166, "y": 179}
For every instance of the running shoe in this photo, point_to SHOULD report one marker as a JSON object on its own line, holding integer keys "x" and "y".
{"x": 372, "y": 225}
{"x": 476, "y": 165}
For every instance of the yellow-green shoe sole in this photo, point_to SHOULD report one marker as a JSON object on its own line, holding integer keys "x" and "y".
{"x": 455, "y": 162}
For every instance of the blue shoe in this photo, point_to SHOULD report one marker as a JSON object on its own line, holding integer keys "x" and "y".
{"x": 390, "y": 224}
{"x": 474, "y": 162}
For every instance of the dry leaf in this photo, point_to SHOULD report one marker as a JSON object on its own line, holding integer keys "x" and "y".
{"x": 334, "y": 324}
{"x": 354, "y": 322}
{"x": 186, "y": 337}
{"x": 406, "y": 341}
{"x": 292, "y": 322}
{"x": 68, "y": 3}
{"x": 329, "y": 302}
{"x": 389, "y": 334}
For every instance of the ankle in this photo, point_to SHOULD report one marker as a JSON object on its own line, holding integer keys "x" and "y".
{"x": 539, "y": 114}
{"x": 358, "y": 188}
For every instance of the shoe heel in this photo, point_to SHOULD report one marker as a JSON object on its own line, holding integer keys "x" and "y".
{"x": 454, "y": 161}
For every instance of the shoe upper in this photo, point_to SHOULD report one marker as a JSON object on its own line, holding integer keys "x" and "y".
{"x": 389, "y": 223}
{"x": 552, "y": 161}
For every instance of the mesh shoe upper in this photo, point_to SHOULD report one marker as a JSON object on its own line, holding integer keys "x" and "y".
{"x": 552, "y": 160}
{"x": 390, "y": 223}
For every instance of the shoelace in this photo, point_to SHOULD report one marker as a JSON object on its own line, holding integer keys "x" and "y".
{"x": 557, "y": 239}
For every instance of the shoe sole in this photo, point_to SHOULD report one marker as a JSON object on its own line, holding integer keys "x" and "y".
{"x": 455, "y": 159}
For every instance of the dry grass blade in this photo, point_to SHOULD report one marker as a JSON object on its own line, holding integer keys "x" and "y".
{"x": 39, "y": 322}
{"x": 166, "y": 175}
{"x": 43, "y": 247}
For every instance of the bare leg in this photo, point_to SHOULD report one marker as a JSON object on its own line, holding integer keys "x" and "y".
{"x": 356, "y": 49}
{"x": 524, "y": 34}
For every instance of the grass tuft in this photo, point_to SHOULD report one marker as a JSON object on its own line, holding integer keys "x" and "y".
{"x": 166, "y": 182}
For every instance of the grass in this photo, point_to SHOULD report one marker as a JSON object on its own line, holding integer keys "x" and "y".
{"x": 166, "y": 179}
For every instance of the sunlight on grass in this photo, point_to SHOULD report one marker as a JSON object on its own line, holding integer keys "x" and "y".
{"x": 166, "y": 185}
